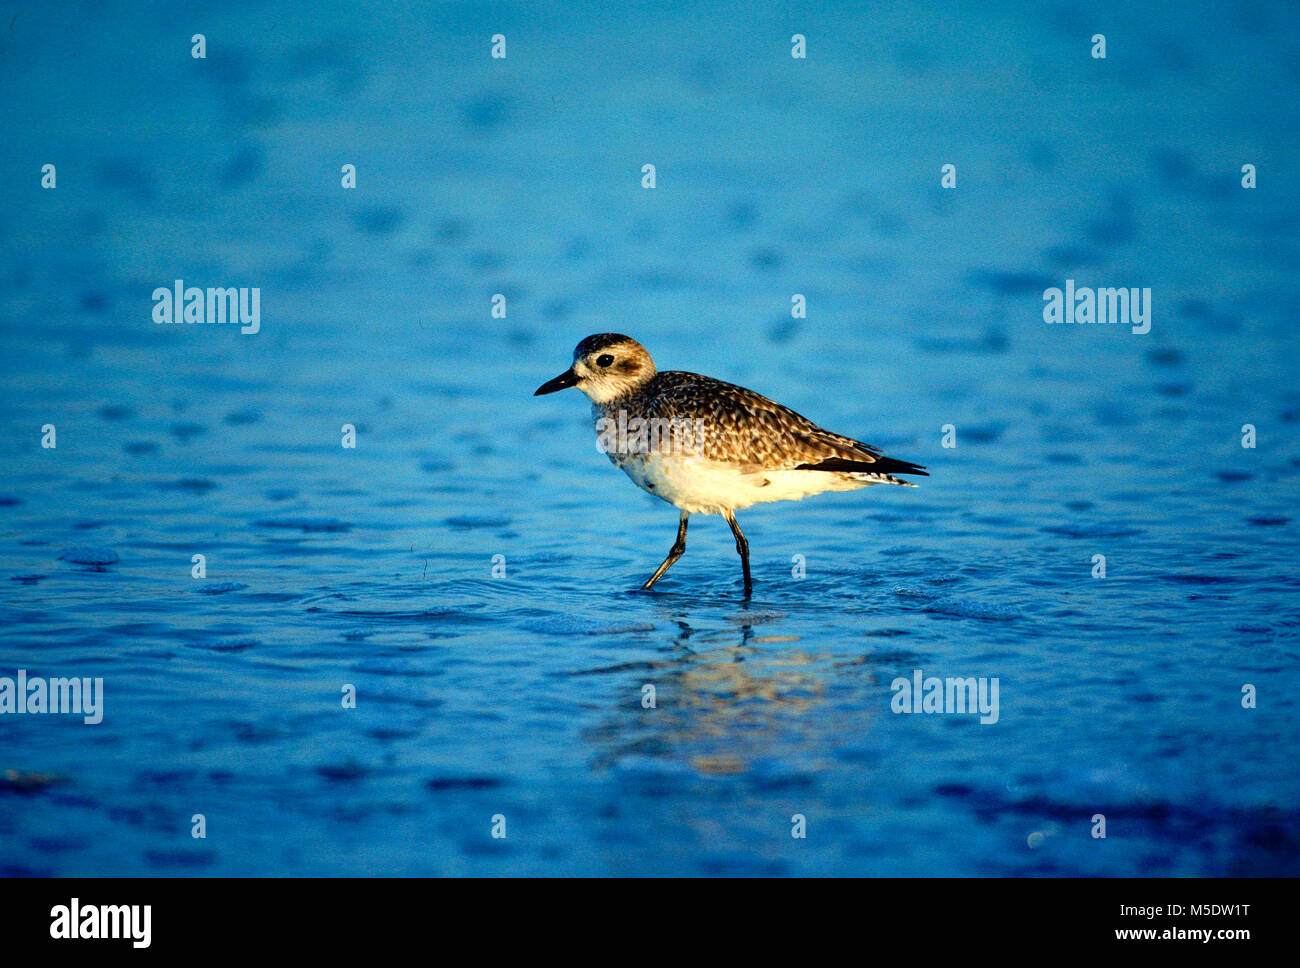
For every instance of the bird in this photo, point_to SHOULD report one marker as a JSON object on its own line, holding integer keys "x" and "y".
{"x": 710, "y": 447}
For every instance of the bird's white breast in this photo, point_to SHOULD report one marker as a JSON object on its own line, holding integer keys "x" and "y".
{"x": 703, "y": 486}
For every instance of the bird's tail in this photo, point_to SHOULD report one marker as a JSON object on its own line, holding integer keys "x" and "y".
{"x": 878, "y": 471}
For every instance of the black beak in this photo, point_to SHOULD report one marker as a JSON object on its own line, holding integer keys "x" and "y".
{"x": 566, "y": 379}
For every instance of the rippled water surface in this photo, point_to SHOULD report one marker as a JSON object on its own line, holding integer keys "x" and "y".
{"x": 521, "y": 696}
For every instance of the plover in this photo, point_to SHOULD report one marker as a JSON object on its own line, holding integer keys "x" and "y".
{"x": 709, "y": 447}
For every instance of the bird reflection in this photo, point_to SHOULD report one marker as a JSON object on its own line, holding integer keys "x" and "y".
{"x": 721, "y": 700}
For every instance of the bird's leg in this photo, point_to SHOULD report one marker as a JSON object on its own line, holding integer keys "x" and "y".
{"x": 742, "y": 549}
{"x": 676, "y": 552}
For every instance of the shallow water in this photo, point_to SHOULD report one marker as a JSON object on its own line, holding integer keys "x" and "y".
{"x": 521, "y": 695}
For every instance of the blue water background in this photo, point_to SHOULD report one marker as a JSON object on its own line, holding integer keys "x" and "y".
{"x": 521, "y": 696}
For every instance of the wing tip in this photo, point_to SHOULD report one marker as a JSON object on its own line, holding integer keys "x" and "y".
{"x": 880, "y": 466}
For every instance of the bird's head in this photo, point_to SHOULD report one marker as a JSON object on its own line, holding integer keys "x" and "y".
{"x": 605, "y": 367}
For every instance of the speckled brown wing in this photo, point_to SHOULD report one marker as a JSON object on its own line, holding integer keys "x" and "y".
{"x": 745, "y": 427}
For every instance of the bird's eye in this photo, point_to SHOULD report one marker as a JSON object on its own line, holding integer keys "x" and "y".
{"x": 604, "y": 360}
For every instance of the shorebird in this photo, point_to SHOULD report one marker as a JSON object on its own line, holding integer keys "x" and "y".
{"x": 709, "y": 447}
